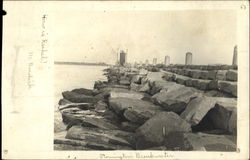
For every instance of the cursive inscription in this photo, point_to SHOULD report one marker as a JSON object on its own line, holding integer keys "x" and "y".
{"x": 147, "y": 155}
{"x": 44, "y": 40}
{"x": 31, "y": 81}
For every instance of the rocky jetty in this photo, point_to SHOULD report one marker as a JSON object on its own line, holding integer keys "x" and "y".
{"x": 174, "y": 107}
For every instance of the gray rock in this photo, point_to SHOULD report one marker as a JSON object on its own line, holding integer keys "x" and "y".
{"x": 221, "y": 75}
{"x": 215, "y": 93}
{"x": 64, "y": 101}
{"x": 136, "y": 79}
{"x": 128, "y": 126}
{"x": 228, "y": 87}
{"x": 99, "y": 139}
{"x": 199, "y": 142}
{"x": 181, "y": 79}
{"x": 156, "y": 86}
{"x": 126, "y": 94}
{"x": 154, "y": 76}
{"x": 195, "y": 74}
{"x": 211, "y": 75}
{"x": 223, "y": 115}
{"x": 197, "y": 108}
{"x": 135, "y": 87}
{"x": 134, "y": 110}
{"x": 79, "y": 98}
{"x": 145, "y": 88}
{"x": 213, "y": 85}
{"x": 84, "y": 91}
{"x": 176, "y": 98}
{"x": 232, "y": 75}
{"x": 101, "y": 106}
{"x": 124, "y": 82}
{"x": 153, "y": 132}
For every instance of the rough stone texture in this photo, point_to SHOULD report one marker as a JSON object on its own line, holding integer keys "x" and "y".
{"x": 105, "y": 92}
{"x": 128, "y": 126}
{"x": 154, "y": 76}
{"x": 221, "y": 75}
{"x": 156, "y": 86}
{"x": 98, "y": 139}
{"x": 136, "y": 79}
{"x": 153, "y": 132}
{"x": 232, "y": 75}
{"x": 213, "y": 85}
{"x": 228, "y": 87}
{"x": 204, "y": 74}
{"x": 135, "y": 87}
{"x": 101, "y": 106}
{"x": 211, "y": 75}
{"x": 223, "y": 115}
{"x": 195, "y": 74}
{"x": 199, "y": 142}
{"x": 134, "y": 110}
{"x": 124, "y": 82}
{"x": 180, "y": 79}
{"x": 79, "y": 98}
{"x": 217, "y": 110}
{"x": 77, "y": 106}
{"x": 216, "y": 93}
{"x": 127, "y": 94}
{"x": 203, "y": 84}
{"x": 197, "y": 109}
{"x": 84, "y": 91}
{"x": 176, "y": 98}
{"x": 145, "y": 88}
{"x": 64, "y": 101}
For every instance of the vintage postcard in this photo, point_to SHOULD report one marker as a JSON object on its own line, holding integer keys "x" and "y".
{"x": 125, "y": 80}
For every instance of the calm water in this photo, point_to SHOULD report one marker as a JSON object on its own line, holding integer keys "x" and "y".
{"x": 69, "y": 77}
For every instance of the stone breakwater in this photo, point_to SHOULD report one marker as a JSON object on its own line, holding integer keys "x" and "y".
{"x": 172, "y": 107}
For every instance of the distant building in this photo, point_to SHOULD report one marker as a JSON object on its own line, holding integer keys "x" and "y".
{"x": 123, "y": 58}
{"x": 154, "y": 61}
{"x": 167, "y": 60}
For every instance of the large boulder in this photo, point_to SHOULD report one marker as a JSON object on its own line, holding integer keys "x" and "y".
{"x": 64, "y": 101}
{"x": 127, "y": 94}
{"x": 136, "y": 79}
{"x": 203, "y": 106}
{"x": 154, "y": 131}
{"x": 135, "y": 87}
{"x": 90, "y": 118}
{"x": 158, "y": 85}
{"x": 79, "y": 98}
{"x": 134, "y": 110}
{"x": 144, "y": 87}
{"x": 181, "y": 79}
{"x": 211, "y": 75}
{"x": 232, "y": 75}
{"x": 128, "y": 126}
{"x": 61, "y": 143}
{"x": 197, "y": 108}
{"x": 175, "y": 98}
{"x": 98, "y": 139}
{"x": 84, "y": 91}
{"x": 154, "y": 76}
{"x": 105, "y": 92}
{"x": 224, "y": 114}
{"x": 199, "y": 142}
{"x": 221, "y": 75}
{"x": 228, "y": 87}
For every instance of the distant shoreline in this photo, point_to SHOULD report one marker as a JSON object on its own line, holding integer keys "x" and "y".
{"x": 80, "y": 63}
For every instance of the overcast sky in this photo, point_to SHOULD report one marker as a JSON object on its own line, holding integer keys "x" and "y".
{"x": 96, "y": 36}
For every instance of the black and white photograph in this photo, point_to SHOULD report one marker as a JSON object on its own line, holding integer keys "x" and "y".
{"x": 146, "y": 80}
{"x": 128, "y": 80}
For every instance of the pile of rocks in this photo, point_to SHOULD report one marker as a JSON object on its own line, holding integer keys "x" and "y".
{"x": 138, "y": 109}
